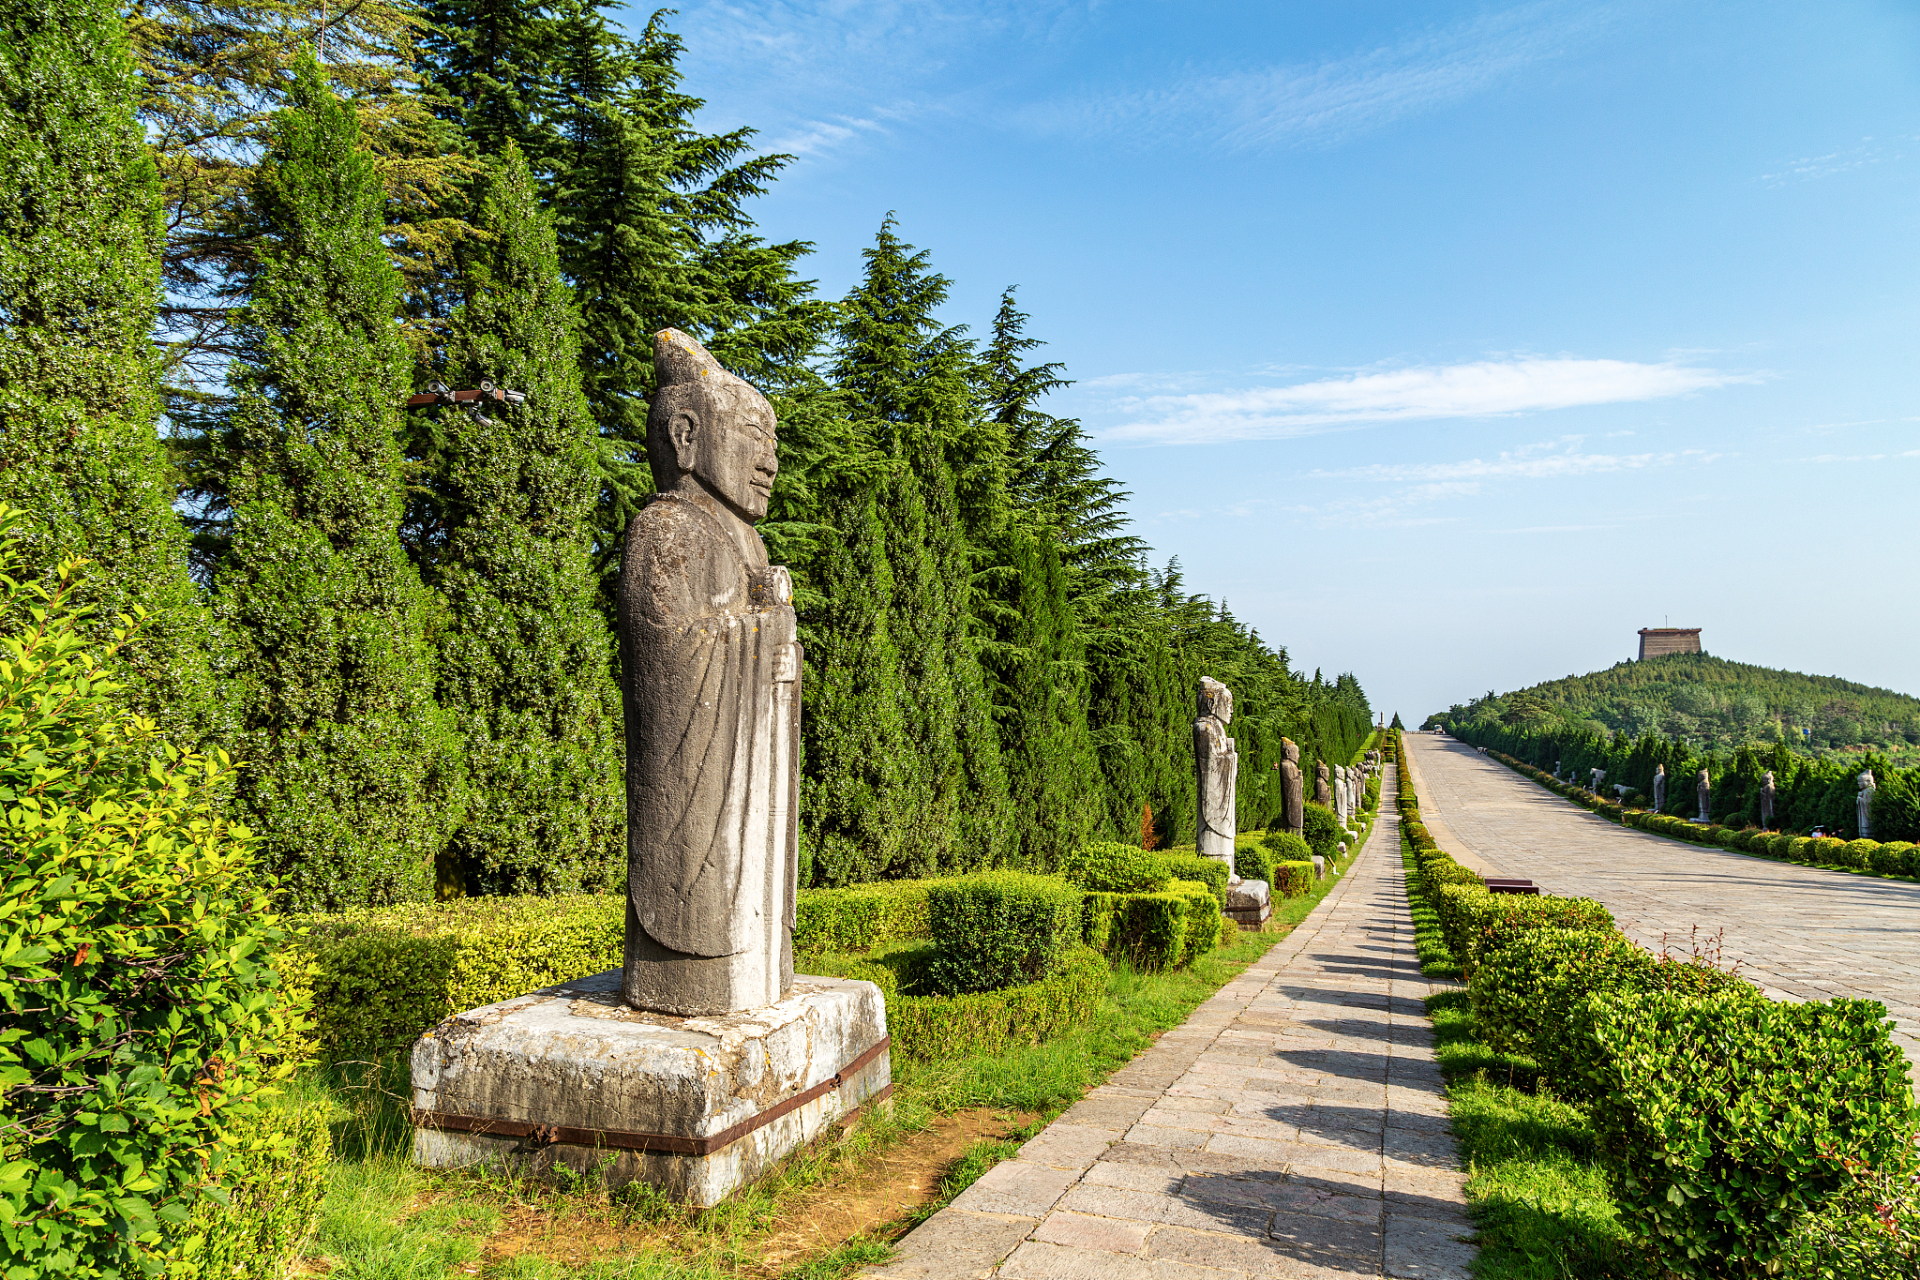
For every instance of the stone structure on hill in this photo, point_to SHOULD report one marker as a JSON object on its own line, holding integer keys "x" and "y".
{"x": 1216, "y": 769}
{"x": 1292, "y": 788}
{"x": 704, "y": 1059}
{"x": 1863, "y": 803}
{"x": 1658, "y": 642}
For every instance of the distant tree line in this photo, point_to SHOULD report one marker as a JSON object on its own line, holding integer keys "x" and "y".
{"x": 234, "y": 242}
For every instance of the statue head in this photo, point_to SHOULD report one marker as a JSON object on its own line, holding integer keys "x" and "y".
{"x": 1767, "y": 778}
{"x": 1216, "y": 700}
{"x": 1659, "y": 771}
{"x": 1866, "y": 780}
{"x": 1290, "y": 749}
{"x": 1704, "y": 779}
{"x": 708, "y": 427}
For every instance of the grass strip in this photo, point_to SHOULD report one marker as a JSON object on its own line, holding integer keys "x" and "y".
{"x": 1537, "y": 1195}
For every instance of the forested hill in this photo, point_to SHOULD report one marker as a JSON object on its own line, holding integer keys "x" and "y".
{"x": 1714, "y": 703}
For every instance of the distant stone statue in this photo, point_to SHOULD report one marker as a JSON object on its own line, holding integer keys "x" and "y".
{"x": 1704, "y": 789}
{"x": 1599, "y": 776}
{"x": 1342, "y": 794}
{"x": 1292, "y": 788}
{"x": 1863, "y": 803}
{"x": 710, "y": 663}
{"x": 1767, "y": 793}
{"x": 1216, "y": 767}
{"x": 1659, "y": 788}
{"x": 1322, "y": 792}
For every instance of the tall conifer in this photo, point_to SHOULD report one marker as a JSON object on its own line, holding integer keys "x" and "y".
{"x": 526, "y": 663}
{"x": 80, "y": 240}
{"x": 352, "y": 770}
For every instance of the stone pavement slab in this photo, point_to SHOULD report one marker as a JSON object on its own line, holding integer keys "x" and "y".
{"x": 1801, "y": 933}
{"x": 1294, "y": 1126}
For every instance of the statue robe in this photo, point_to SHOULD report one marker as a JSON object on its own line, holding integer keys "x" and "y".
{"x": 711, "y": 684}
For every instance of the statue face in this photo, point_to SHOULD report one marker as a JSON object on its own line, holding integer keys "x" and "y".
{"x": 728, "y": 445}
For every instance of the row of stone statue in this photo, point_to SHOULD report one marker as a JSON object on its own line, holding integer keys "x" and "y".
{"x": 1703, "y": 789}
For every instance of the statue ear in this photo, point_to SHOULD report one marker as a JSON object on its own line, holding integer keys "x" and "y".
{"x": 681, "y": 430}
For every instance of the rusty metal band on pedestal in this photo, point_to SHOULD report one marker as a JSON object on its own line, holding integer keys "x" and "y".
{"x": 626, "y": 1140}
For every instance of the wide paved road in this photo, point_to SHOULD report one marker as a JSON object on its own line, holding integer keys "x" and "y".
{"x": 1797, "y": 931}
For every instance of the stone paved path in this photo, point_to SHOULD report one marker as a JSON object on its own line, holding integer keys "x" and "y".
{"x": 1800, "y": 932}
{"x": 1294, "y": 1126}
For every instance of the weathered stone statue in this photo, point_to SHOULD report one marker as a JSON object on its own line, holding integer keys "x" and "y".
{"x": 1704, "y": 789}
{"x": 1767, "y": 793}
{"x": 1863, "y": 803}
{"x": 1322, "y": 793}
{"x": 711, "y": 669}
{"x": 1599, "y": 776}
{"x": 1216, "y": 766}
{"x": 1342, "y": 794}
{"x": 1659, "y": 788}
{"x": 1292, "y": 788}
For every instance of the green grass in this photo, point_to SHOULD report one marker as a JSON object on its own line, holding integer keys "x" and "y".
{"x": 1537, "y": 1195}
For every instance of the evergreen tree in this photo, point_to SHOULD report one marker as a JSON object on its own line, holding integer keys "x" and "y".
{"x": 352, "y": 774}
{"x": 526, "y": 661}
{"x": 485, "y": 65}
{"x": 80, "y": 239}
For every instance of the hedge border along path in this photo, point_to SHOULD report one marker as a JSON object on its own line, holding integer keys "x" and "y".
{"x": 1295, "y": 1125}
{"x": 1797, "y": 932}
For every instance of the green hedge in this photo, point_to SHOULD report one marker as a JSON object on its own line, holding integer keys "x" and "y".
{"x": 1724, "y": 1121}
{"x": 1204, "y": 920}
{"x": 384, "y": 975}
{"x": 1284, "y": 846}
{"x": 859, "y": 917}
{"x": 1211, "y": 872}
{"x": 1148, "y": 930}
{"x": 276, "y": 1175}
{"x": 999, "y": 929}
{"x": 929, "y": 1026}
{"x": 1253, "y": 862}
{"x": 1291, "y": 879}
{"x": 1322, "y": 829}
{"x": 1111, "y": 867}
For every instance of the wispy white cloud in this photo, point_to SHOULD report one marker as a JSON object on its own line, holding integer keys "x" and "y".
{"x": 1807, "y": 168}
{"x": 1531, "y": 463}
{"x": 1295, "y": 103}
{"x": 1484, "y": 388}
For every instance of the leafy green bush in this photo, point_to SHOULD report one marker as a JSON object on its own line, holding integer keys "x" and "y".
{"x": 1781, "y": 847}
{"x": 1521, "y": 991}
{"x": 384, "y": 975}
{"x": 1148, "y": 930}
{"x": 1451, "y": 872}
{"x": 1112, "y": 867}
{"x": 277, "y": 1175}
{"x": 1826, "y": 850}
{"x": 1485, "y": 921}
{"x": 859, "y": 917}
{"x": 929, "y": 1025}
{"x": 1254, "y": 862}
{"x": 1724, "y": 1120}
{"x": 1285, "y": 846}
{"x": 999, "y": 929}
{"x": 1291, "y": 879}
{"x": 1322, "y": 829}
{"x": 1203, "y": 919}
{"x": 1892, "y": 859}
{"x": 142, "y": 1025}
{"x": 1855, "y": 854}
{"x": 1208, "y": 871}
{"x": 1800, "y": 849}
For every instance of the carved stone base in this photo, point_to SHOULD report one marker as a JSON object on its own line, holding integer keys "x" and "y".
{"x": 1249, "y": 903}
{"x": 695, "y": 1106}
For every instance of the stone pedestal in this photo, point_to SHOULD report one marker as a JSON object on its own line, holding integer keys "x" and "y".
{"x": 1319, "y": 867}
{"x": 697, "y": 1106}
{"x": 1249, "y": 903}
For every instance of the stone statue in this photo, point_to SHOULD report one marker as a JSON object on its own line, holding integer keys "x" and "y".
{"x": 710, "y": 665}
{"x": 1342, "y": 794}
{"x": 1767, "y": 792}
{"x": 1216, "y": 766}
{"x": 1322, "y": 794}
{"x": 1704, "y": 789}
{"x": 1292, "y": 788}
{"x": 1863, "y": 803}
{"x": 1599, "y": 776}
{"x": 1659, "y": 788}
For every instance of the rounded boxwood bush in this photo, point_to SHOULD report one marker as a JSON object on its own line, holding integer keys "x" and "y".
{"x": 999, "y": 929}
{"x": 1890, "y": 859}
{"x": 1801, "y": 850}
{"x": 1322, "y": 829}
{"x": 1287, "y": 847}
{"x": 1111, "y": 867}
{"x": 1253, "y": 862}
{"x": 1781, "y": 847}
{"x": 1292, "y": 879}
{"x": 1826, "y": 850}
{"x": 1855, "y": 854}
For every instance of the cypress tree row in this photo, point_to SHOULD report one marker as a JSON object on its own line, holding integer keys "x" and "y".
{"x": 352, "y": 770}
{"x": 80, "y": 243}
{"x": 526, "y": 662}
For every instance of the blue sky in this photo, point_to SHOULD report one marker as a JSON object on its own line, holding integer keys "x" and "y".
{"x": 1450, "y": 343}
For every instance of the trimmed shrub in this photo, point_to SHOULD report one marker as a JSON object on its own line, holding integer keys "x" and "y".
{"x": 1892, "y": 859}
{"x": 1291, "y": 879}
{"x": 1724, "y": 1121}
{"x": 384, "y": 975}
{"x": 1800, "y": 849}
{"x": 1284, "y": 846}
{"x": 1322, "y": 829}
{"x": 1254, "y": 862}
{"x": 1203, "y": 919}
{"x": 1112, "y": 867}
{"x": 1208, "y": 871}
{"x": 931, "y": 1025}
{"x": 276, "y": 1175}
{"x": 1148, "y": 930}
{"x": 1521, "y": 991}
{"x": 1856, "y": 854}
{"x": 859, "y": 917}
{"x": 1826, "y": 850}
{"x": 1451, "y": 872}
{"x": 1485, "y": 921}
{"x": 998, "y": 929}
